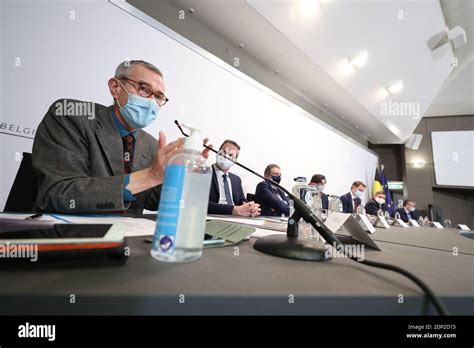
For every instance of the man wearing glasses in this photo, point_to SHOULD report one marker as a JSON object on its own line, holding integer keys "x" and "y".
{"x": 105, "y": 163}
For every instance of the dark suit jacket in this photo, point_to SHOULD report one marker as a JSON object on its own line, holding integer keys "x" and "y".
{"x": 372, "y": 207}
{"x": 325, "y": 200}
{"x": 347, "y": 203}
{"x": 237, "y": 195}
{"x": 78, "y": 163}
{"x": 266, "y": 195}
{"x": 404, "y": 216}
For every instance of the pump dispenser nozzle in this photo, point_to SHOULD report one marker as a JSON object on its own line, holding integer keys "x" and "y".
{"x": 194, "y": 141}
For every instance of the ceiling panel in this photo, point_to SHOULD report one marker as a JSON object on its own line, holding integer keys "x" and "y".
{"x": 456, "y": 97}
{"x": 396, "y": 42}
{"x": 310, "y": 54}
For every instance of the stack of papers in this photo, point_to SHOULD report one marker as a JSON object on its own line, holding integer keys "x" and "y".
{"x": 133, "y": 227}
{"x": 144, "y": 227}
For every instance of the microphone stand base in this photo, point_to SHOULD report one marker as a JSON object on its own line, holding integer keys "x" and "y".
{"x": 292, "y": 248}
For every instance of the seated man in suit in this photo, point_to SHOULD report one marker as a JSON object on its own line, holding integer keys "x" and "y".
{"x": 92, "y": 158}
{"x": 351, "y": 200}
{"x": 375, "y": 204}
{"x": 226, "y": 195}
{"x": 272, "y": 199}
{"x": 408, "y": 211}
{"x": 319, "y": 181}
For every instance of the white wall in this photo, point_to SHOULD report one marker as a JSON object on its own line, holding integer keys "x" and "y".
{"x": 453, "y": 158}
{"x": 64, "y": 57}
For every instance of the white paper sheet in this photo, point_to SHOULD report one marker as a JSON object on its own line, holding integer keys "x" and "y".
{"x": 260, "y": 232}
{"x": 133, "y": 227}
{"x": 247, "y": 221}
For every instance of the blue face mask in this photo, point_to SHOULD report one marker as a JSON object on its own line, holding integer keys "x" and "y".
{"x": 358, "y": 194}
{"x": 412, "y": 209}
{"x": 139, "y": 112}
{"x": 276, "y": 178}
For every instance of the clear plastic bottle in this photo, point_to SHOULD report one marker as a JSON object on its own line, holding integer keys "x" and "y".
{"x": 316, "y": 199}
{"x": 421, "y": 221}
{"x": 316, "y": 204}
{"x": 181, "y": 220}
{"x": 335, "y": 204}
{"x": 340, "y": 208}
{"x": 302, "y": 190}
{"x": 387, "y": 217}
{"x": 426, "y": 222}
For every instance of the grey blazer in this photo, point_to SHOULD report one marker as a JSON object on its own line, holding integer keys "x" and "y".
{"x": 78, "y": 161}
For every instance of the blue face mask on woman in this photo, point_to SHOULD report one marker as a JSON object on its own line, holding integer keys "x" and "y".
{"x": 139, "y": 112}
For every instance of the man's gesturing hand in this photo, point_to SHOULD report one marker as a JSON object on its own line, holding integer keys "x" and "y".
{"x": 164, "y": 153}
{"x": 152, "y": 176}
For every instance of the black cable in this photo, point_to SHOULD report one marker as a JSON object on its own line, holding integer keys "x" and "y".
{"x": 331, "y": 238}
{"x": 429, "y": 293}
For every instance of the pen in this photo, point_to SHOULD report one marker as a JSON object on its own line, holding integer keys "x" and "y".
{"x": 34, "y": 217}
{"x": 208, "y": 242}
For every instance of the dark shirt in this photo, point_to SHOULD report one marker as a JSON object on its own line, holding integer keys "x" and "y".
{"x": 214, "y": 195}
{"x": 273, "y": 201}
{"x": 372, "y": 207}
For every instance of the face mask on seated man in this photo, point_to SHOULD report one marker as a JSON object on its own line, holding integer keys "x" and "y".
{"x": 226, "y": 196}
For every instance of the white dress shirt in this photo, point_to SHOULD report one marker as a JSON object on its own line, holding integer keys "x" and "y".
{"x": 407, "y": 212}
{"x": 353, "y": 203}
{"x": 220, "y": 180}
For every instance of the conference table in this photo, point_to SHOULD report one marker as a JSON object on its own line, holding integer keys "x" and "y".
{"x": 239, "y": 280}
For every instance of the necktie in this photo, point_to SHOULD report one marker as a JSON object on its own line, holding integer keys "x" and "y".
{"x": 127, "y": 153}
{"x": 228, "y": 197}
{"x": 356, "y": 203}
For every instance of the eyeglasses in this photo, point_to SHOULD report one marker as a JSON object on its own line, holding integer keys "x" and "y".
{"x": 145, "y": 90}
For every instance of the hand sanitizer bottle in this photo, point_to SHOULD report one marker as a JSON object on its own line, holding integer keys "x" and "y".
{"x": 182, "y": 212}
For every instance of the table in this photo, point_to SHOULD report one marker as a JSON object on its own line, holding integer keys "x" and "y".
{"x": 241, "y": 280}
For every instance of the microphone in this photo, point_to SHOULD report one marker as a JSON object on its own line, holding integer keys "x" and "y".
{"x": 290, "y": 246}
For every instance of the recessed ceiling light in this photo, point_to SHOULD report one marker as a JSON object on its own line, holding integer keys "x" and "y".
{"x": 277, "y": 71}
{"x": 357, "y": 127}
{"x": 304, "y": 89}
{"x": 191, "y": 10}
{"x": 368, "y": 135}
{"x": 419, "y": 164}
{"x": 395, "y": 87}
{"x": 342, "y": 116}
{"x": 241, "y": 45}
{"x": 325, "y": 104}
{"x": 359, "y": 59}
